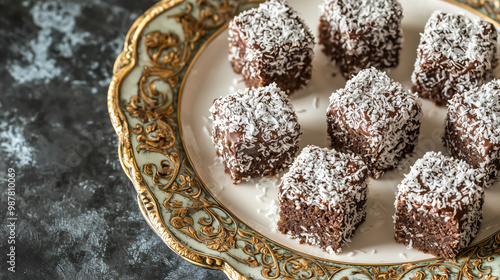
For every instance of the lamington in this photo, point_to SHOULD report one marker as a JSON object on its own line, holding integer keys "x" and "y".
{"x": 255, "y": 132}
{"x": 455, "y": 54}
{"x": 439, "y": 205}
{"x": 472, "y": 130}
{"x": 271, "y": 43}
{"x": 358, "y": 34}
{"x": 374, "y": 118}
{"x": 322, "y": 198}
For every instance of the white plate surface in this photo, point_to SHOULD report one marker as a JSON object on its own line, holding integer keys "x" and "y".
{"x": 252, "y": 202}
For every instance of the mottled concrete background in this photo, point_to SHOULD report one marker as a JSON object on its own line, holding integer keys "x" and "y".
{"x": 77, "y": 214}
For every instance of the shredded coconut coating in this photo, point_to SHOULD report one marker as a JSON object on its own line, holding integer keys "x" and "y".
{"x": 444, "y": 187}
{"x": 360, "y": 15}
{"x": 273, "y": 23}
{"x": 441, "y": 183}
{"x": 331, "y": 181}
{"x": 252, "y": 123}
{"x": 363, "y": 33}
{"x": 325, "y": 178}
{"x": 462, "y": 48}
{"x": 381, "y": 110}
{"x": 476, "y": 115}
{"x": 275, "y": 39}
{"x": 479, "y": 108}
{"x": 457, "y": 37}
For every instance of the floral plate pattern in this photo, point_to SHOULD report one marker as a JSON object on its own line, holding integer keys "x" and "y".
{"x": 172, "y": 197}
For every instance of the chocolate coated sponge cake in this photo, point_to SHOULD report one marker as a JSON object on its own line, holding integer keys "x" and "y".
{"x": 439, "y": 205}
{"x": 358, "y": 34}
{"x": 455, "y": 54}
{"x": 322, "y": 198}
{"x": 271, "y": 43}
{"x": 374, "y": 117}
{"x": 472, "y": 130}
{"x": 255, "y": 132}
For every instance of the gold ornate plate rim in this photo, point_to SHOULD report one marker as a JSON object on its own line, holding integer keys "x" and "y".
{"x": 149, "y": 205}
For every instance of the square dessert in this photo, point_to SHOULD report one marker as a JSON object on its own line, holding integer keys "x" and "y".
{"x": 455, "y": 54}
{"x": 472, "y": 130}
{"x": 374, "y": 118}
{"x": 255, "y": 132}
{"x": 271, "y": 43}
{"x": 361, "y": 34}
{"x": 322, "y": 198}
{"x": 439, "y": 206}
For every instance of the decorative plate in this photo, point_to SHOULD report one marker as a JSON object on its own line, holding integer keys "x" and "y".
{"x": 173, "y": 65}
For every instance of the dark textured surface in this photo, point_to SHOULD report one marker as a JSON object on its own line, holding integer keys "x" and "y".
{"x": 77, "y": 213}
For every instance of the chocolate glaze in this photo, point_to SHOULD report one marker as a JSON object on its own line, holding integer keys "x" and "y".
{"x": 260, "y": 70}
{"x": 379, "y": 55}
{"x": 438, "y": 76}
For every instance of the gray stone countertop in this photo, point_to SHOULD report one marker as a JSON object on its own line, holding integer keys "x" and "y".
{"x": 76, "y": 213}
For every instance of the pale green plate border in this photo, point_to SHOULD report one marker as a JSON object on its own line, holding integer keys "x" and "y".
{"x": 172, "y": 198}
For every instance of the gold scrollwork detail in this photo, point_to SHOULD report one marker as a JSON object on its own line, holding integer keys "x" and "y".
{"x": 216, "y": 228}
{"x": 489, "y": 7}
{"x": 169, "y": 55}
